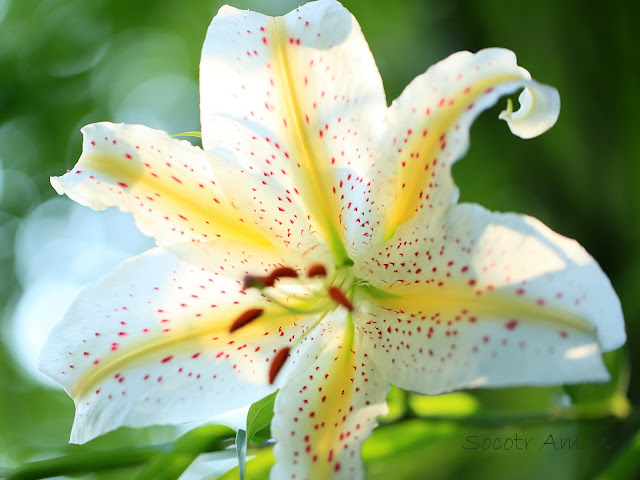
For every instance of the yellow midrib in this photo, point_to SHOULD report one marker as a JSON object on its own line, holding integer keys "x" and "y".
{"x": 340, "y": 379}
{"x": 177, "y": 341}
{"x": 408, "y": 200}
{"x": 454, "y": 299}
{"x": 194, "y": 205}
{"x": 318, "y": 197}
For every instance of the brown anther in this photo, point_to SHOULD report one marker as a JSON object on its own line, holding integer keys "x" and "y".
{"x": 339, "y": 297}
{"x": 253, "y": 281}
{"x": 277, "y": 363}
{"x": 317, "y": 270}
{"x": 282, "y": 272}
{"x": 245, "y": 317}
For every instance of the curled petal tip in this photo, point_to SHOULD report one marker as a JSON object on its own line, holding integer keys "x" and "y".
{"x": 538, "y": 112}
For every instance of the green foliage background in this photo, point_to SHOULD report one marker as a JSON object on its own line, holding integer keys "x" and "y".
{"x": 66, "y": 63}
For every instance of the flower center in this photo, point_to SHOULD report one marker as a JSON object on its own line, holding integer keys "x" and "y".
{"x": 289, "y": 294}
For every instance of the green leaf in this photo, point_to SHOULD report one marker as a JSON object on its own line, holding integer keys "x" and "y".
{"x": 606, "y": 398}
{"x": 188, "y": 134}
{"x": 171, "y": 465}
{"x": 241, "y": 448}
{"x": 259, "y": 419}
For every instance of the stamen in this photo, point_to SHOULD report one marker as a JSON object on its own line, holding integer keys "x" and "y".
{"x": 277, "y": 363}
{"x": 317, "y": 270}
{"x": 283, "y": 272}
{"x": 253, "y": 281}
{"x": 337, "y": 296}
{"x": 246, "y": 317}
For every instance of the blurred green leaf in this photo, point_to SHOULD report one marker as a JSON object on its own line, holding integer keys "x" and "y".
{"x": 170, "y": 465}
{"x": 606, "y": 398}
{"x": 397, "y": 403}
{"x": 457, "y": 403}
{"x": 85, "y": 461}
{"x": 259, "y": 419}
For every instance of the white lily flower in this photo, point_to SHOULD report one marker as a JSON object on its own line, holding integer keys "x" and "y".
{"x": 387, "y": 279}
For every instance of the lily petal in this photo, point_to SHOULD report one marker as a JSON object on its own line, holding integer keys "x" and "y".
{"x": 150, "y": 343}
{"x": 268, "y": 204}
{"x": 329, "y": 407}
{"x": 476, "y": 298}
{"x": 302, "y": 99}
{"x": 167, "y": 184}
{"x": 429, "y": 126}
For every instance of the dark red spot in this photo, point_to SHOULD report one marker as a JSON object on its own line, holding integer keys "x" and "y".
{"x": 511, "y": 324}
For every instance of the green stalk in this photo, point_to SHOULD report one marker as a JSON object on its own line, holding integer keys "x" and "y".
{"x": 86, "y": 461}
{"x": 163, "y": 462}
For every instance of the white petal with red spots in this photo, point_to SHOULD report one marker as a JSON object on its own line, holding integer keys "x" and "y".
{"x": 428, "y": 126}
{"x": 300, "y": 96}
{"x": 317, "y": 170}
{"x": 167, "y": 184}
{"x": 329, "y": 407}
{"x": 263, "y": 200}
{"x": 150, "y": 344}
{"x": 488, "y": 299}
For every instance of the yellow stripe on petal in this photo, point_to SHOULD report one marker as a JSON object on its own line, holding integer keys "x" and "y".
{"x": 210, "y": 332}
{"x": 151, "y": 343}
{"x": 312, "y": 170}
{"x": 452, "y": 298}
{"x": 299, "y": 102}
{"x": 168, "y": 185}
{"x": 183, "y": 200}
{"x": 429, "y": 124}
{"x": 420, "y": 148}
{"x": 329, "y": 406}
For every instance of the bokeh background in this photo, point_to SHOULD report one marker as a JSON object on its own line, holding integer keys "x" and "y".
{"x": 66, "y": 63}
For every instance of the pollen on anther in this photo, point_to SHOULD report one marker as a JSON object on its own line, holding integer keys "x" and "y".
{"x": 317, "y": 270}
{"x": 277, "y": 363}
{"x": 245, "y": 318}
{"x": 339, "y": 297}
{"x": 283, "y": 272}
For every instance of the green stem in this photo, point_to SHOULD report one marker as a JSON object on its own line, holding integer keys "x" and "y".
{"x": 85, "y": 461}
{"x": 170, "y": 465}
{"x": 162, "y": 461}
